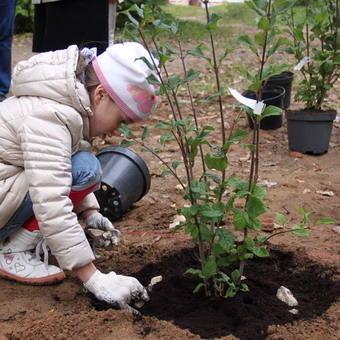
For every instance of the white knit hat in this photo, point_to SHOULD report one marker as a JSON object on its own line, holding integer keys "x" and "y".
{"x": 124, "y": 78}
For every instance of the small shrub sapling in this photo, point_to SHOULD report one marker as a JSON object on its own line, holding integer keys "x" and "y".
{"x": 209, "y": 189}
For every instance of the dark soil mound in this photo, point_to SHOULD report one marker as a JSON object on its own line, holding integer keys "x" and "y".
{"x": 248, "y": 314}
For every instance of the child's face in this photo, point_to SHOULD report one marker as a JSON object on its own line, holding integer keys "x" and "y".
{"x": 107, "y": 116}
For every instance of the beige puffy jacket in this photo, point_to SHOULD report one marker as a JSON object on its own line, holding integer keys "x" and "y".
{"x": 41, "y": 127}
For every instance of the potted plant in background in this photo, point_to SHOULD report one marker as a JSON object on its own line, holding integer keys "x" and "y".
{"x": 285, "y": 80}
{"x": 315, "y": 46}
{"x": 263, "y": 45}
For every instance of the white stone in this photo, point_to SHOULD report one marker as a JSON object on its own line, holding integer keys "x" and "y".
{"x": 286, "y": 296}
{"x": 337, "y": 229}
{"x": 177, "y": 220}
{"x": 156, "y": 279}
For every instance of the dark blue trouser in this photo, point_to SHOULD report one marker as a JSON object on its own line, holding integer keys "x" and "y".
{"x": 7, "y": 16}
{"x": 86, "y": 172}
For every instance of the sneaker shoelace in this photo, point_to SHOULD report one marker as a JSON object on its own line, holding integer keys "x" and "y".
{"x": 42, "y": 248}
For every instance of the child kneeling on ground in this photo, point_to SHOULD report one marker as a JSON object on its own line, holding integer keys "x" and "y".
{"x": 60, "y": 101}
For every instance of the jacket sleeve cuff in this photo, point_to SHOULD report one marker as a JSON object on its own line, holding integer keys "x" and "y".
{"x": 75, "y": 257}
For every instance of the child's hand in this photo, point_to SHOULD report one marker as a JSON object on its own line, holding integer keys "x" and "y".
{"x": 101, "y": 233}
{"x": 98, "y": 221}
{"x": 117, "y": 290}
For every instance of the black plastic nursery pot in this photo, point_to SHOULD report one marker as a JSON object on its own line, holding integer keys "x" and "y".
{"x": 309, "y": 132}
{"x": 273, "y": 96}
{"x": 285, "y": 80}
{"x": 125, "y": 180}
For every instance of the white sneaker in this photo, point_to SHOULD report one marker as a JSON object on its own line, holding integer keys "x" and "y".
{"x": 19, "y": 263}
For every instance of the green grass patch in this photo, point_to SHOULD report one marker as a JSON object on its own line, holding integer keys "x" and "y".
{"x": 231, "y": 13}
{"x": 195, "y": 18}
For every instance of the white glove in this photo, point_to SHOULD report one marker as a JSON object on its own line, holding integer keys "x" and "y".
{"x": 98, "y": 221}
{"x": 118, "y": 290}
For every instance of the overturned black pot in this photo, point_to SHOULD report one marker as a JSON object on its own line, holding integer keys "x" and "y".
{"x": 309, "y": 132}
{"x": 271, "y": 96}
{"x": 125, "y": 180}
{"x": 285, "y": 80}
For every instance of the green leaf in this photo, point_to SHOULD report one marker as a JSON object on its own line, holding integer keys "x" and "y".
{"x": 207, "y": 211}
{"x": 174, "y": 81}
{"x": 226, "y": 52}
{"x": 150, "y": 65}
{"x": 251, "y": 147}
{"x": 213, "y": 18}
{"x": 244, "y": 288}
{"x": 214, "y": 177}
{"x": 191, "y": 75}
{"x": 126, "y": 131}
{"x": 166, "y": 172}
{"x": 262, "y": 4}
{"x": 261, "y": 238}
{"x": 326, "y": 220}
{"x": 299, "y": 35}
{"x": 239, "y": 135}
{"x": 255, "y": 224}
{"x": 264, "y": 24}
{"x": 153, "y": 80}
{"x": 238, "y": 183}
{"x": 258, "y": 5}
{"x": 198, "y": 287}
{"x": 235, "y": 275}
{"x": 282, "y": 6}
{"x": 146, "y": 132}
{"x": 153, "y": 150}
{"x": 231, "y": 292}
{"x": 212, "y": 98}
{"x": 241, "y": 220}
{"x": 226, "y": 239}
{"x": 255, "y": 206}
{"x": 166, "y": 137}
{"x": 175, "y": 164}
{"x": 219, "y": 206}
{"x": 300, "y": 231}
{"x": 195, "y": 272}
{"x": 139, "y": 11}
{"x": 198, "y": 52}
{"x": 259, "y": 191}
{"x": 245, "y": 39}
{"x": 191, "y": 229}
{"x": 272, "y": 111}
{"x": 210, "y": 267}
{"x": 132, "y": 19}
{"x": 216, "y": 161}
{"x": 281, "y": 218}
{"x": 300, "y": 210}
{"x": 249, "y": 243}
{"x": 261, "y": 251}
{"x": 126, "y": 143}
{"x": 164, "y": 126}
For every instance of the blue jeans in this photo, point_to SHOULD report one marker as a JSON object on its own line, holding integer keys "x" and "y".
{"x": 7, "y": 15}
{"x": 86, "y": 171}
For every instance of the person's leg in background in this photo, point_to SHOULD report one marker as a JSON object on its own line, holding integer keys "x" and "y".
{"x": 21, "y": 234}
{"x": 7, "y": 17}
{"x": 59, "y": 24}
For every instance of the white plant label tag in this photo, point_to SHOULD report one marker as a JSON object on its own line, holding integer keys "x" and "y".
{"x": 302, "y": 63}
{"x": 258, "y": 107}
